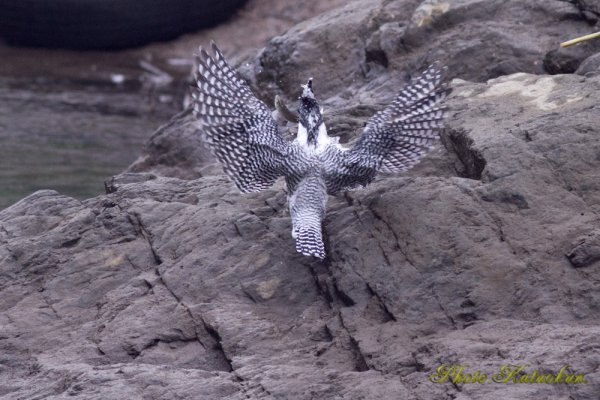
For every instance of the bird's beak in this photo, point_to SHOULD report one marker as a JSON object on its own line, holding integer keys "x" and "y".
{"x": 309, "y": 84}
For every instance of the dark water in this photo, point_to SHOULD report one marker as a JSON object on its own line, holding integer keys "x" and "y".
{"x": 70, "y": 137}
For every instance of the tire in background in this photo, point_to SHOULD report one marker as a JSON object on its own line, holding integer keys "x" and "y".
{"x": 106, "y": 24}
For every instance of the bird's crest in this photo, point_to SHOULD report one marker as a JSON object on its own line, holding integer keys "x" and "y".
{"x": 307, "y": 91}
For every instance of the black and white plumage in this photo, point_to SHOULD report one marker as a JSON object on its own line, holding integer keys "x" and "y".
{"x": 244, "y": 137}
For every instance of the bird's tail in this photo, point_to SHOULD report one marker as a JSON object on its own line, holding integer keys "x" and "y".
{"x": 309, "y": 240}
{"x": 307, "y": 208}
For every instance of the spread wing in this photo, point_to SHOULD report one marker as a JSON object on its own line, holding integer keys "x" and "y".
{"x": 397, "y": 137}
{"x": 237, "y": 126}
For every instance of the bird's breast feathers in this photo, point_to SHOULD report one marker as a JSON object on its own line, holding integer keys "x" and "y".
{"x": 322, "y": 140}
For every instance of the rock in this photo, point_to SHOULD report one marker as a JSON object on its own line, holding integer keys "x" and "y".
{"x": 590, "y": 9}
{"x": 566, "y": 60}
{"x": 184, "y": 288}
{"x": 360, "y": 54}
{"x": 590, "y": 66}
{"x": 371, "y": 45}
{"x": 187, "y": 288}
{"x": 586, "y": 251}
{"x": 559, "y": 61}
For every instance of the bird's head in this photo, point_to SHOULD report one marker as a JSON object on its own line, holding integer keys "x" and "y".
{"x": 307, "y": 91}
{"x": 309, "y": 114}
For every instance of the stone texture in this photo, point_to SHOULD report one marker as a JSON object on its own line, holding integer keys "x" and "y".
{"x": 181, "y": 287}
{"x": 586, "y": 250}
{"x": 565, "y": 60}
{"x": 590, "y": 66}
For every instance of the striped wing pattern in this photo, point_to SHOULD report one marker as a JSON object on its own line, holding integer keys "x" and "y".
{"x": 397, "y": 137}
{"x": 237, "y": 126}
{"x": 244, "y": 138}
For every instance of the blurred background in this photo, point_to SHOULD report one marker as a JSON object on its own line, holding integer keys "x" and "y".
{"x": 84, "y": 84}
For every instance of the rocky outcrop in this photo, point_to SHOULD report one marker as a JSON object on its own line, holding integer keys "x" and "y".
{"x": 361, "y": 54}
{"x": 484, "y": 255}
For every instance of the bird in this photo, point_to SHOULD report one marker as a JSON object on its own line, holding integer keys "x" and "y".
{"x": 243, "y": 135}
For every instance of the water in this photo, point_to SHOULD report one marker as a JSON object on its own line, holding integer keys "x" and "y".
{"x": 71, "y": 136}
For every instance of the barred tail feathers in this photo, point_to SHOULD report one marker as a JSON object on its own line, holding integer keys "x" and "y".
{"x": 307, "y": 208}
{"x": 309, "y": 240}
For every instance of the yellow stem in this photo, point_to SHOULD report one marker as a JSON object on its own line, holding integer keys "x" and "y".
{"x": 580, "y": 39}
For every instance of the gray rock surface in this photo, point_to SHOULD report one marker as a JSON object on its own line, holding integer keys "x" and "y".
{"x": 486, "y": 254}
{"x": 590, "y": 66}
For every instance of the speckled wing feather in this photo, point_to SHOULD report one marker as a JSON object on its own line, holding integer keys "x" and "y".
{"x": 237, "y": 126}
{"x": 397, "y": 137}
